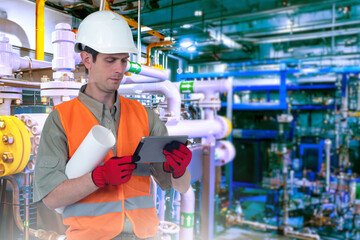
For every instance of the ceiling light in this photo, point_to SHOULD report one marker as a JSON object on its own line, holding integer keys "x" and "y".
{"x": 198, "y": 13}
{"x": 186, "y": 43}
{"x": 186, "y": 26}
{"x": 191, "y": 49}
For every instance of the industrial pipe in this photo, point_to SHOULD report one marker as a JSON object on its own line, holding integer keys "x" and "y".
{"x": 236, "y": 219}
{"x": 10, "y": 61}
{"x": 208, "y": 87}
{"x": 63, "y": 42}
{"x": 135, "y": 24}
{"x": 152, "y": 45}
{"x": 218, "y": 127}
{"x": 187, "y": 211}
{"x": 38, "y": 233}
{"x": 327, "y": 157}
{"x": 139, "y": 79}
{"x": 224, "y": 152}
{"x": 40, "y": 29}
{"x": 165, "y": 88}
{"x": 136, "y": 68}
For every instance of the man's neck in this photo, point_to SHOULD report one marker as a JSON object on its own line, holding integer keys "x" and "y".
{"x": 105, "y": 98}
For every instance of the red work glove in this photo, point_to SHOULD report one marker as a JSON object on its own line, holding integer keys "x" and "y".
{"x": 178, "y": 157}
{"x": 116, "y": 171}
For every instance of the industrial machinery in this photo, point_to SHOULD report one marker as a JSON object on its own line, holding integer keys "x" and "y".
{"x": 182, "y": 112}
{"x": 303, "y": 146}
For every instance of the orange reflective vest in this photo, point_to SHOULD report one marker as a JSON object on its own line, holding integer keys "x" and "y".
{"x": 101, "y": 214}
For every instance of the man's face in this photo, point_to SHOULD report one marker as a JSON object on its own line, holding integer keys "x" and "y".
{"x": 107, "y": 71}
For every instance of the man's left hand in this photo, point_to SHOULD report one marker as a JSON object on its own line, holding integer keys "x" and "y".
{"x": 178, "y": 157}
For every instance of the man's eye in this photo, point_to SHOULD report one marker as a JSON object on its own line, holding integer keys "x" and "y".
{"x": 124, "y": 60}
{"x": 110, "y": 60}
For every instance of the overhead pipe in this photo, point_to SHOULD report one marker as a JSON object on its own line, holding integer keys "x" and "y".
{"x": 152, "y": 45}
{"x": 38, "y": 233}
{"x": 136, "y": 68}
{"x": 165, "y": 88}
{"x": 139, "y": 33}
{"x": 283, "y": 30}
{"x": 134, "y": 24}
{"x": 40, "y": 29}
{"x": 308, "y": 36}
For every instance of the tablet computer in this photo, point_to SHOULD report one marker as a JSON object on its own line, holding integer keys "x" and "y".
{"x": 150, "y": 149}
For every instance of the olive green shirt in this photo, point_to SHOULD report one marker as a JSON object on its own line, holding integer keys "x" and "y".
{"x": 53, "y": 152}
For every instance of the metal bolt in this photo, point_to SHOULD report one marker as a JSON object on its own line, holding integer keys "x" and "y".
{"x": 7, "y": 139}
{"x": 8, "y": 157}
{"x": 2, "y": 124}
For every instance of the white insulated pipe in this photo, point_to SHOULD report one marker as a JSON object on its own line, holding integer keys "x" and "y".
{"x": 139, "y": 79}
{"x": 209, "y": 87}
{"x": 27, "y": 63}
{"x": 63, "y": 42}
{"x": 5, "y": 108}
{"x": 187, "y": 211}
{"x": 327, "y": 164}
{"x": 218, "y": 127}
{"x": 10, "y": 61}
{"x": 224, "y": 152}
{"x": 91, "y": 152}
{"x": 144, "y": 70}
{"x": 165, "y": 88}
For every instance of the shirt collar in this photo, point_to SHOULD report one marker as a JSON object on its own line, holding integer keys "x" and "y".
{"x": 97, "y": 108}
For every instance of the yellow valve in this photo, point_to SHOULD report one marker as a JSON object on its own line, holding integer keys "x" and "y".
{"x": 15, "y": 147}
{"x": 230, "y": 126}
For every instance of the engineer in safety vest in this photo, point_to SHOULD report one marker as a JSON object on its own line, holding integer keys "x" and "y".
{"x": 114, "y": 201}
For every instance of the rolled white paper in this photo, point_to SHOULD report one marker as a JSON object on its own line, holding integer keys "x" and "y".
{"x": 90, "y": 153}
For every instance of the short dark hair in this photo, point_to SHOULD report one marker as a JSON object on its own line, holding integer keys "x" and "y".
{"x": 93, "y": 52}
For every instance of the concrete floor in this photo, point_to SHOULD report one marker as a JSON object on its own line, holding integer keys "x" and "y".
{"x": 242, "y": 234}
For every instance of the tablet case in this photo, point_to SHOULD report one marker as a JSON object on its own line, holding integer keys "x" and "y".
{"x": 150, "y": 149}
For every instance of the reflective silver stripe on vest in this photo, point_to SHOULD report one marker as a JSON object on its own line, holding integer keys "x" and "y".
{"x": 139, "y": 202}
{"x": 142, "y": 170}
{"x": 92, "y": 209}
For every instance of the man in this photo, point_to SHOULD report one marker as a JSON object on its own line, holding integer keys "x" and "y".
{"x": 114, "y": 200}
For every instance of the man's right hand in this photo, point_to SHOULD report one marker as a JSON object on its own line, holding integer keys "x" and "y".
{"x": 116, "y": 171}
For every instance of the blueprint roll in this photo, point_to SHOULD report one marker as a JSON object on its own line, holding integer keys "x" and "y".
{"x": 90, "y": 153}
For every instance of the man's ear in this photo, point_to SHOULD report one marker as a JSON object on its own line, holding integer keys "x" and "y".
{"x": 86, "y": 59}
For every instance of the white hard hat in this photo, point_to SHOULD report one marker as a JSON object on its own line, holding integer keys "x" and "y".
{"x": 105, "y": 32}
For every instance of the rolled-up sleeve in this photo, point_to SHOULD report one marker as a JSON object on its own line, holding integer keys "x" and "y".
{"x": 51, "y": 157}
